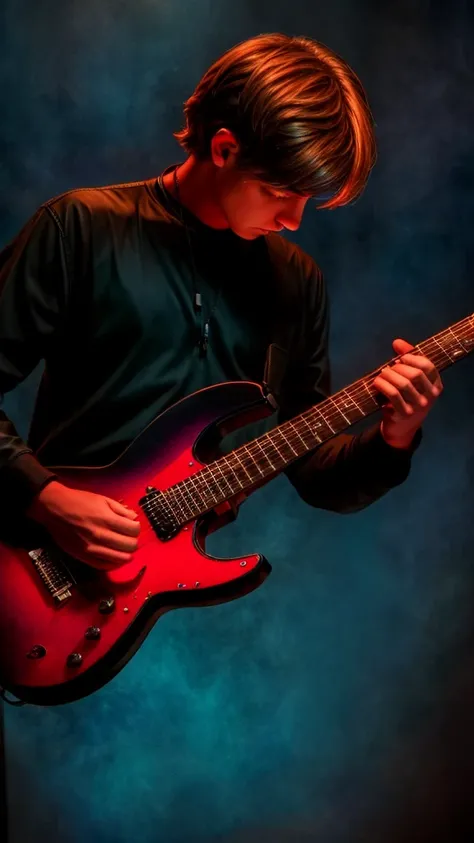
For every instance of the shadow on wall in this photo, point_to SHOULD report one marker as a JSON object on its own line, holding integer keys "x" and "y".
{"x": 43, "y": 817}
{"x": 423, "y": 793}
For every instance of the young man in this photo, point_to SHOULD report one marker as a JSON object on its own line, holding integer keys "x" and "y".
{"x": 138, "y": 294}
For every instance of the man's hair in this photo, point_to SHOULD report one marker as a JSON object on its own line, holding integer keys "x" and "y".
{"x": 298, "y": 111}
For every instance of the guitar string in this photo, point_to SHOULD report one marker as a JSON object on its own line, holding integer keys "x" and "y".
{"x": 206, "y": 474}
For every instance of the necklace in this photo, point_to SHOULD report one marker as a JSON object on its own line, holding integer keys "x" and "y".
{"x": 203, "y": 340}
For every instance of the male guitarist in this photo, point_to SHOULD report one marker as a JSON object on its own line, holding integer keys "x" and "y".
{"x": 137, "y": 295}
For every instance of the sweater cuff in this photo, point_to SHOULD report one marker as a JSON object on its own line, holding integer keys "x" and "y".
{"x": 23, "y": 477}
{"x": 386, "y": 452}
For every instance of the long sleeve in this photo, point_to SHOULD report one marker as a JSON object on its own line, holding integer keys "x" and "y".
{"x": 348, "y": 472}
{"x": 33, "y": 293}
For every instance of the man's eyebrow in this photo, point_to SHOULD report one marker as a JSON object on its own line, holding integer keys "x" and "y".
{"x": 290, "y": 192}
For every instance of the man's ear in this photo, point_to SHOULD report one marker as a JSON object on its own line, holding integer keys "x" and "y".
{"x": 224, "y": 145}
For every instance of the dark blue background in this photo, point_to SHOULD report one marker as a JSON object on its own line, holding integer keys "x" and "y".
{"x": 336, "y": 703}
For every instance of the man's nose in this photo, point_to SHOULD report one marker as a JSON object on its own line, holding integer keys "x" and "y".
{"x": 290, "y": 216}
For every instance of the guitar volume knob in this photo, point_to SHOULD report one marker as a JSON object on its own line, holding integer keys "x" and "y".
{"x": 74, "y": 660}
{"x": 107, "y": 605}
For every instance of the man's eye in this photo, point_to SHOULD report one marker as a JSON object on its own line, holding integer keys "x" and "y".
{"x": 274, "y": 194}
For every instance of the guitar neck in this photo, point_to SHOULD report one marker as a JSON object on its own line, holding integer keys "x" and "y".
{"x": 268, "y": 455}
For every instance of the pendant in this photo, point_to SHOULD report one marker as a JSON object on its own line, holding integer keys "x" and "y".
{"x": 204, "y": 340}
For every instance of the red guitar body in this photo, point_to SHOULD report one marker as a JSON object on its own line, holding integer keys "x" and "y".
{"x": 67, "y": 628}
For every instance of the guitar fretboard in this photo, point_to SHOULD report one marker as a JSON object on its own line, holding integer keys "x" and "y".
{"x": 268, "y": 455}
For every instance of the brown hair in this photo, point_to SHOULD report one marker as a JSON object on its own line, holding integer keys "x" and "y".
{"x": 299, "y": 112}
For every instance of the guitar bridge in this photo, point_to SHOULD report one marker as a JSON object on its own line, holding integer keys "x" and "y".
{"x": 53, "y": 575}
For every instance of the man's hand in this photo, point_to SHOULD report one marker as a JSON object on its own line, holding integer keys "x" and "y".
{"x": 412, "y": 385}
{"x": 95, "y": 529}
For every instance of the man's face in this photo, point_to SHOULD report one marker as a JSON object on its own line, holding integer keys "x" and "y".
{"x": 252, "y": 208}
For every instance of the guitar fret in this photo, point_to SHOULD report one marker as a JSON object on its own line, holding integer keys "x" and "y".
{"x": 202, "y": 477}
{"x": 325, "y": 420}
{"x": 339, "y": 410}
{"x": 458, "y": 350}
{"x": 191, "y": 481}
{"x": 217, "y": 465}
{"x": 345, "y": 391}
{"x": 310, "y": 429}
{"x": 443, "y": 349}
{"x": 462, "y": 349}
{"x": 280, "y": 432}
{"x": 450, "y": 349}
{"x": 256, "y": 442}
{"x": 369, "y": 393}
{"x": 267, "y": 439}
{"x": 288, "y": 443}
{"x": 236, "y": 456}
{"x": 274, "y": 445}
{"x": 226, "y": 461}
{"x": 293, "y": 426}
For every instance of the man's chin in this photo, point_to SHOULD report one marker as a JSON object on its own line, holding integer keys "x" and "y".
{"x": 249, "y": 233}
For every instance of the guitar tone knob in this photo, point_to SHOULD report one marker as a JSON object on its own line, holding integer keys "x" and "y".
{"x": 92, "y": 633}
{"x": 74, "y": 660}
{"x": 36, "y": 652}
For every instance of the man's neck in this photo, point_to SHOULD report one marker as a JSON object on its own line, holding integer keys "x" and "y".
{"x": 196, "y": 181}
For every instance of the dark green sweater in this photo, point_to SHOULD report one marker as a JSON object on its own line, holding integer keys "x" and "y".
{"x": 99, "y": 284}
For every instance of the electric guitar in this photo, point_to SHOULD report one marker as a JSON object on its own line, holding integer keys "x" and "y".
{"x": 67, "y": 628}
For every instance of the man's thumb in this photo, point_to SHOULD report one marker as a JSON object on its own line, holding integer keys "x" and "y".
{"x": 121, "y": 509}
